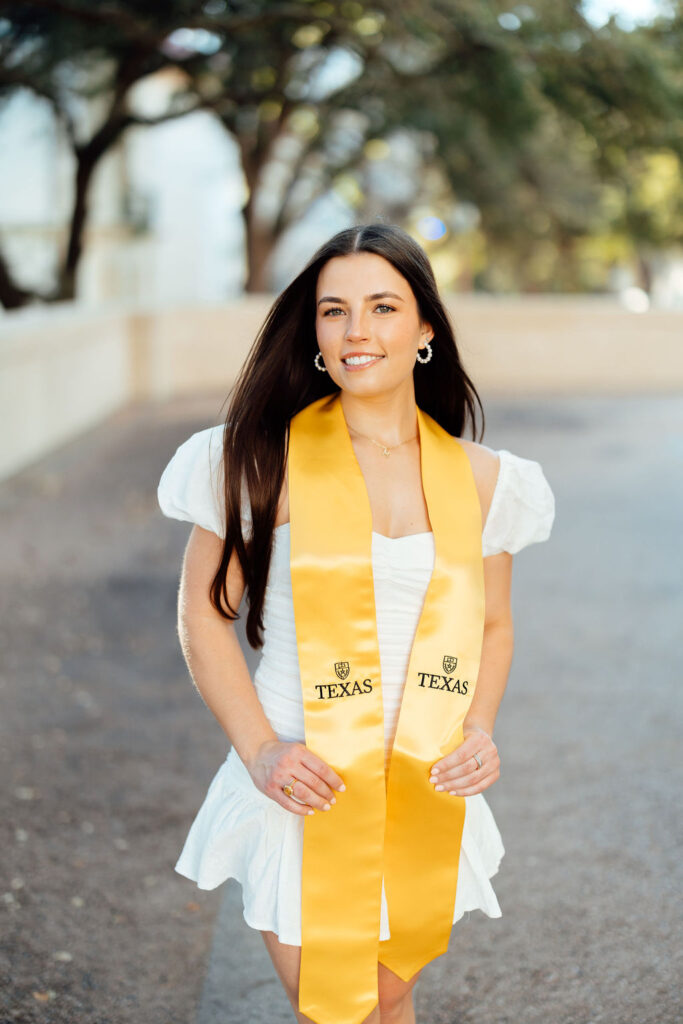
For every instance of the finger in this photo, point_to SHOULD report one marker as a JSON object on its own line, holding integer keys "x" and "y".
{"x": 461, "y": 771}
{"x": 276, "y": 793}
{"x": 292, "y": 805}
{"x": 297, "y": 802}
{"x": 460, "y": 755}
{"x": 467, "y": 772}
{"x": 317, "y": 784}
{"x": 458, "y": 777}
{"x": 483, "y": 783}
{"x": 322, "y": 769}
{"x": 307, "y": 795}
{"x": 474, "y": 744}
{"x": 459, "y": 782}
{"x": 473, "y": 790}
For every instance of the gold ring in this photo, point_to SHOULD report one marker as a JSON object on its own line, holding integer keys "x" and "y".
{"x": 288, "y": 788}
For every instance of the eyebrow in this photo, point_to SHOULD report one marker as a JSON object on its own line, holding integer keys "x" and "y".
{"x": 375, "y": 295}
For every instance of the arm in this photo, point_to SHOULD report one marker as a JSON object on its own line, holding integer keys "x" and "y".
{"x": 212, "y": 650}
{"x": 219, "y": 671}
{"x": 458, "y": 772}
{"x": 497, "y": 645}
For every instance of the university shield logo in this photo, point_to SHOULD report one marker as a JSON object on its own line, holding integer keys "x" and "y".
{"x": 342, "y": 669}
{"x": 449, "y": 663}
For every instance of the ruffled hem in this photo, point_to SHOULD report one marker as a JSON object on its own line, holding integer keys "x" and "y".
{"x": 241, "y": 833}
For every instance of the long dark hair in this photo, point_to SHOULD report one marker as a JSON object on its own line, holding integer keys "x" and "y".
{"x": 279, "y": 378}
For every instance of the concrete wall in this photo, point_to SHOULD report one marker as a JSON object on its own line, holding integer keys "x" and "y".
{"x": 59, "y": 374}
{"x": 63, "y": 369}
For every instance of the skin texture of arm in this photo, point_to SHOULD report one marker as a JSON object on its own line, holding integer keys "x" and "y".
{"x": 212, "y": 650}
{"x": 458, "y": 771}
{"x": 220, "y": 674}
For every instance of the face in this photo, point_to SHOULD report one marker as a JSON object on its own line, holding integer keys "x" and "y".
{"x": 366, "y": 308}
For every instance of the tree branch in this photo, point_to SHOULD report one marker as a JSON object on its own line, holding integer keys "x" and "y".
{"x": 16, "y": 80}
{"x": 144, "y": 32}
{"x": 173, "y": 115}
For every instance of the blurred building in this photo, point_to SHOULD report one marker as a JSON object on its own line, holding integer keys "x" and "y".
{"x": 164, "y": 222}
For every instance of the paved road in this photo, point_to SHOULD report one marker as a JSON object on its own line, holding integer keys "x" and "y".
{"x": 107, "y": 750}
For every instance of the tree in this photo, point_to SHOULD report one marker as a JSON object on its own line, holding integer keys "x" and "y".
{"x": 62, "y": 50}
{"x": 527, "y": 115}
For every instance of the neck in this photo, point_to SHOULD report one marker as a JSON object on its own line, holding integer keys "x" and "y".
{"x": 389, "y": 417}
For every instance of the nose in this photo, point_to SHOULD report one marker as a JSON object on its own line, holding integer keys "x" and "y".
{"x": 356, "y": 329}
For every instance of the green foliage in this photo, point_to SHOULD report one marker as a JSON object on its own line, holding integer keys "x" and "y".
{"x": 557, "y": 132}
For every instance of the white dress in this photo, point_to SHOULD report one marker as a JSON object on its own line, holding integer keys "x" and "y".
{"x": 241, "y": 833}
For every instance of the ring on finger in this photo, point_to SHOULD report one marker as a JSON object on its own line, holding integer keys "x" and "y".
{"x": 478, "y": 760}
{"x": 289, "y": 788}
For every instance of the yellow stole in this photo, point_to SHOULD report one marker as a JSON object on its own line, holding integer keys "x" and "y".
{"x": 401, "y": 827}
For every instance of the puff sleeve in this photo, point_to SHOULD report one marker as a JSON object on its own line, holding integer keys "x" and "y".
{"x": 191, "y": 485}
{"x": 522, "y": 508}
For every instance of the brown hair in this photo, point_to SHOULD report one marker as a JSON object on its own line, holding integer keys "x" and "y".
{"x": 279, "y": 378}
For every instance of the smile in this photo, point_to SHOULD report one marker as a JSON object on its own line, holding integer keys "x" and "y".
{"x": 360, "y": 362}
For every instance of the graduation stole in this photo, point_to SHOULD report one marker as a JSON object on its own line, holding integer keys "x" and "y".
{"x": 397, "y": 827}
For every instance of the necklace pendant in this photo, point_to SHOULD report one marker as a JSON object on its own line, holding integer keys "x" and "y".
{"x": 387, "y": 452}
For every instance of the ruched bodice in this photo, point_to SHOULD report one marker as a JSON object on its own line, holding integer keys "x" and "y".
{"x": 402, "y": 567}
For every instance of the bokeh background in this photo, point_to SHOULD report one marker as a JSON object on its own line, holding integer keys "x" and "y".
{"x": 165, "y": 169}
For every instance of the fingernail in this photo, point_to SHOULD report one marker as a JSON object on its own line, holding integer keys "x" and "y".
{"x": 437, "y": 788}
{"x": 326, "y": 807}
{"x": 342, "y": 788}
{"x": 311, "y": 811}
{"x": 435, "y": 771}
{"x": 333, "y": 799}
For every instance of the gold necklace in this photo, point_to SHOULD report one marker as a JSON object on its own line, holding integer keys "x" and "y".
{"x": 387, "y": 449}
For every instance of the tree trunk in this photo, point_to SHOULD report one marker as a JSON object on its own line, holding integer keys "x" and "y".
{"x": 259, "y": 250}
{"x": 87, "y": 159}
{"x": 259, "y": 238}
{"x": 12, "y": 296}
{"x": 74, "y": 249}
{"x": 645, "y": 274}
{"x": 259, "y": 247}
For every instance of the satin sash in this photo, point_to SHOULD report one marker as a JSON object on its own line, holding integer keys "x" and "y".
{"x": 399, "y": 827}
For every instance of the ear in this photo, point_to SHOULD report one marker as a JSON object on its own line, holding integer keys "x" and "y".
{"x": 426, "y": 331}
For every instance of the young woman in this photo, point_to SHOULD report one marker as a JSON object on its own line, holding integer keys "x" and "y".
{"x": 375, "y": 546}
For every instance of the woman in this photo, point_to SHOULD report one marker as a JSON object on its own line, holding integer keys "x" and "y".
{"x": 370, "y": 536}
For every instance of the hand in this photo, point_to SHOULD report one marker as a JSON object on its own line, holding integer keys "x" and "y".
{"x": 458, "y": 771}
{"x": 277, "y": 763}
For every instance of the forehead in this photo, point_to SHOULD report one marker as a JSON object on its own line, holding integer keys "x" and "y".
{"x": 360, "y": 272}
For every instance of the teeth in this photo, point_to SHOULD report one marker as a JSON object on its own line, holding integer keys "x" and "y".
{"x": 359, "y": 360}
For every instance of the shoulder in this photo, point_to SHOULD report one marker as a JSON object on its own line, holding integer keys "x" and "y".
{"x": 198, "y": 460}
{"x": 485, "y": 463}
{"x": 206, "y": 443}
{"x": 517, "y": 502}
{"x": 191, "y": 484}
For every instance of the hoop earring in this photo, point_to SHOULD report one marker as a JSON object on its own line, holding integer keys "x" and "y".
{"x": 317, "y": 364}
{"x": 428, "y": 356}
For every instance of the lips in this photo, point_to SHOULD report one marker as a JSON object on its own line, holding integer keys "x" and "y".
{"x": 361, "y": 358}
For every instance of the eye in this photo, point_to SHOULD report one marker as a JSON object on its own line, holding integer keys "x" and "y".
{"x": 381, "y": 305}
